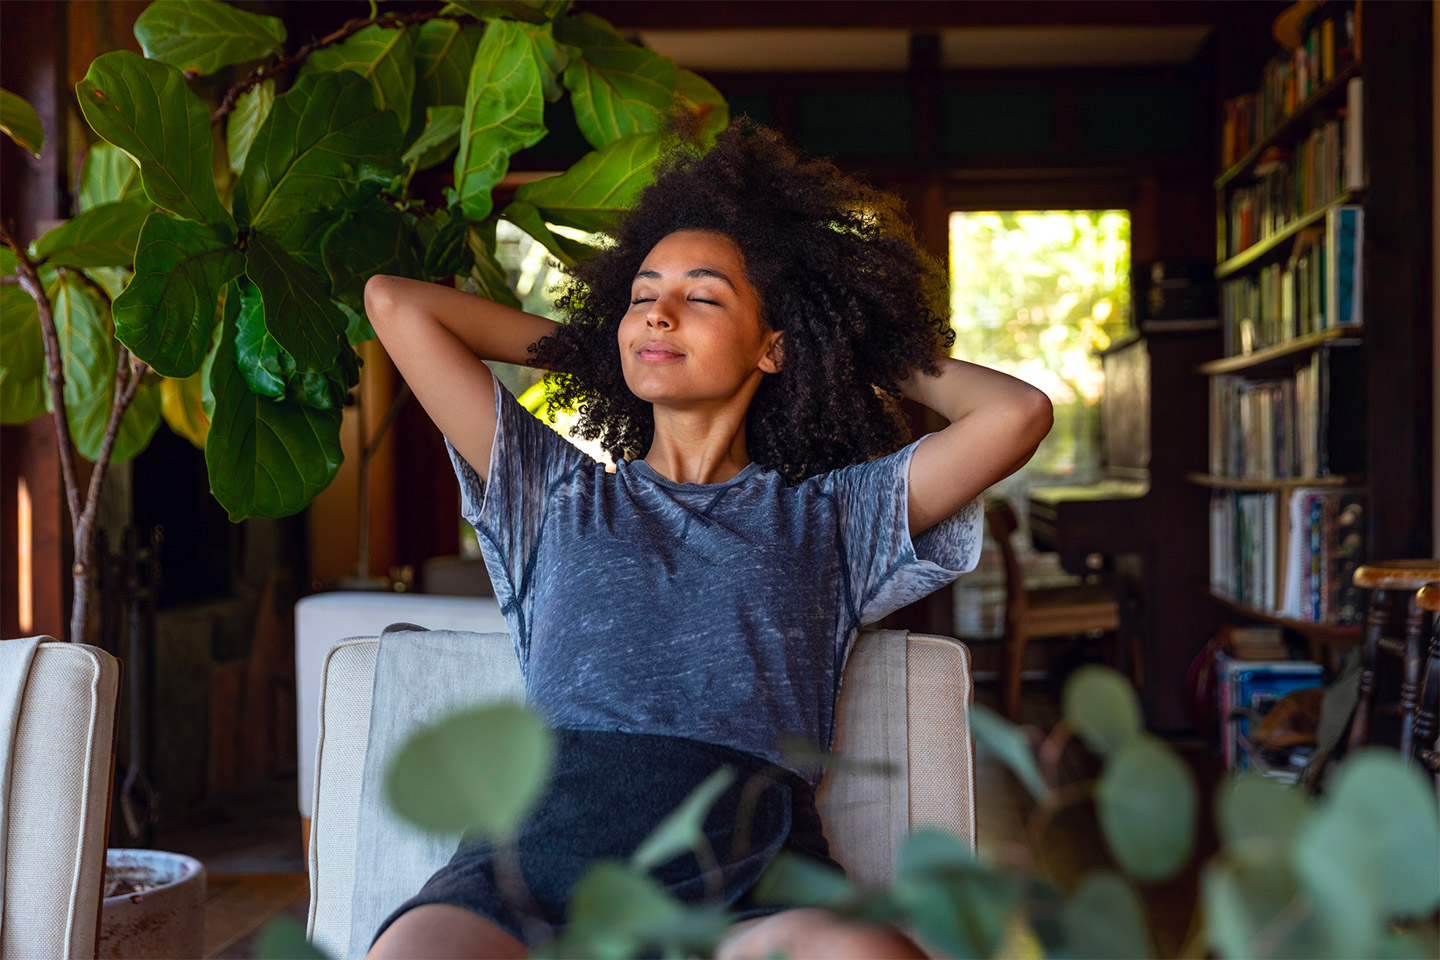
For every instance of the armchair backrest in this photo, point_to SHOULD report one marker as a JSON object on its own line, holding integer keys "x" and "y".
{"x": 62, "y": 758}
{"x": 904, "y": 700}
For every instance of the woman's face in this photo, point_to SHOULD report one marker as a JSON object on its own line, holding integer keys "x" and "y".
{"x": 692, "y": 335}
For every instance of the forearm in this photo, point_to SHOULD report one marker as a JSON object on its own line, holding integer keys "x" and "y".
{"x": 962, "y": 389}
{"x": 491, "y": 331}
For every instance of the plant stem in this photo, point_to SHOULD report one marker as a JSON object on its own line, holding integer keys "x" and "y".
{"x": 367, "y": 452}
{"x": 352, "y": 26}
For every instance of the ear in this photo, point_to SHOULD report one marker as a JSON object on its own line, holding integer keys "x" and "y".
{"x": 774, "y": 357}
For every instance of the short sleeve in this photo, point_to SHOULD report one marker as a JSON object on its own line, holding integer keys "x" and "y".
{"x": 887, "y": 568}
{"x": 527, "y": 462}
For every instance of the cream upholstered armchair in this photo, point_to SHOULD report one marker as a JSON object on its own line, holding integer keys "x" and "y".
{"x": 905, "y": 700}
{"x": 58, "y": 703}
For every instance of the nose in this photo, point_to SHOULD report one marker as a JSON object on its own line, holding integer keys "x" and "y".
{"x": 655, "y": 319}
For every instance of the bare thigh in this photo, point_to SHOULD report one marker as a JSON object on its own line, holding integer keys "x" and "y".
{"x": 439, "y": 931}
{"x": 808, "y": 934}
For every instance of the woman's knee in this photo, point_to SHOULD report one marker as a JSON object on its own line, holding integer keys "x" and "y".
{"x": 440, "y": 931}
{"x": 803, "y": 933}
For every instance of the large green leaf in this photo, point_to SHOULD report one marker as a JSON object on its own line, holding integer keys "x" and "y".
{"x": 1101, "y": 706}
{"x": 486, "y": 272}
{"x": 251, "y": 110}
{"x": 22, "y": 348}
{"x": 166, "y": 313}
{"x": 103, "y": 236}
{"x": 304, "y": 239}
{"x": 1105, "y": 920}
{"x": 145, "y": 108}
{"x": 87, "y": 349}
{"x": 374, "y": 239}
{"x": 531, "y": 11}
{"x": 527, "y": 217}
{"x": 21, "y": 122}
{"x": 270, "y": 371}
{"x": 183, "y": 407}
{"x": 699, "y": 97}
{"x": 203, "y": 35}
{"x": 504, "y": 107}
{"x": 599, "y": 187}
{"x": 483, "y": 769}
{"x": 324, "y": 145}
{"x": 108, "y": 174}
{"x": 298, "y": 312}
{"x": 384, "y": 56}
{"x": 1146, "y": 804}
{"x": 444, "y": 52}
{"x": 439, "y": 138}
{"x": 266, "y": 458}
{"x": 616, "y": 87}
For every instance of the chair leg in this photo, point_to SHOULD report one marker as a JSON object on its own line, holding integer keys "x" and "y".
{"x": 1410, "y": 685}
{"x": 1376, "y": 624}
{"x": 1012, "y": 671}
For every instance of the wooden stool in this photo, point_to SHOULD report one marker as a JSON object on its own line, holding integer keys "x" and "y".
{"x": 1033, "y": 613}
{"x": 1389, "y": 584}
{"x": 1427, "y": 717}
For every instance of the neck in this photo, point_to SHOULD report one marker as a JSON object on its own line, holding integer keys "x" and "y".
{"x": 698, "y": 446}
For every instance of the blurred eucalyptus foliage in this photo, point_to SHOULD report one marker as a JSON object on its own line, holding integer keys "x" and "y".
{"x": 213, "y": 274}
{"x": 1353, "y": 874}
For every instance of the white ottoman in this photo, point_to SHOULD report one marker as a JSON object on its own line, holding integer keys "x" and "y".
{"x": 323, "y": 619}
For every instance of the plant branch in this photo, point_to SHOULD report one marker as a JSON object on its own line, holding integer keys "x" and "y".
{"x": 367, "y": 452}
{"x": 349, "y": 27}
{"x": 29, "y": 279}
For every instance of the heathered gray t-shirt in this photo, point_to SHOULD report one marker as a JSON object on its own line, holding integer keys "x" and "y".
{"x": 722, "y": 612}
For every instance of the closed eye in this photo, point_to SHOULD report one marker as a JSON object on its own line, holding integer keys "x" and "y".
{"x": 694, "y": 299}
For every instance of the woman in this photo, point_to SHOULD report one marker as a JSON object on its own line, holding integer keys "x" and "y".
{"x": 738, "y": 351}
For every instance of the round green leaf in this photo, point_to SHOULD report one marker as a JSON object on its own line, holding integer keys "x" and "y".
{"x": 616, "y": 87}
{"x": 1105, "y": 920}
{"x": 284, "y": 939}
{"x": 265, "y": 458}
{"x": 1376, "y": 836}
{"x": 145, "y": 108}
{"x": 249, "y": 115}
{"x": 1253, "y": 906}
{"x": 166, "y": 313}
{"x": 481, "y": 769}
{"x": 965, "y": 912}
{"x": 504, "y": 107}
{"x": 384, "y": 56}
{"x": 616, "y": 911}
{"x": 1009, "y": 745}
{"x": 107, "y": 174}
{"x": 1255, "y": 809}
{"x": 1101, "y": 706}
{"x": 1146, "y": 804}
{"x": 102, "y": 236}
{"x": 298, "y": 311}
{"x": 798, "y": 881}
{"x": 324, "y": 146}
{"x": 203, "y": 36}
{"x": 21, "y": 122}
{"x": 599, "y": 187}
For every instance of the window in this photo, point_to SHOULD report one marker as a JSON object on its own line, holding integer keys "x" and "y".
{"x": 1035, "y": 293}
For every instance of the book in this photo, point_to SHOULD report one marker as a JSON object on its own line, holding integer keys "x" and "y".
{"x": 1345, "y": 227}
{"x": 1248, "y": 689}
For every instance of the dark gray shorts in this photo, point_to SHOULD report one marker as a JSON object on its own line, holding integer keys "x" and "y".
{"x": 607, "y": 793}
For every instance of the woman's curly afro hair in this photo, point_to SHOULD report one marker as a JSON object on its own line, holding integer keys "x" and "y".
{"x": 837, "y": 270}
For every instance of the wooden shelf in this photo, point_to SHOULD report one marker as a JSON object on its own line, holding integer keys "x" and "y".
{"x": 1290, "y": 129}
{"x": 1270, "y": 354}
{"x": 1258, "y": 250}
{"x": 1236, "y": 483}
{"x": 1342, "y": 635}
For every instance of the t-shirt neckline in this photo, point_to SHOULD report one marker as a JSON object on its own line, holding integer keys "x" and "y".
{"x": 650, "y": 473}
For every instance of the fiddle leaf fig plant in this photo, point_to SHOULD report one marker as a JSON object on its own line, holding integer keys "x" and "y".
{"x": 239, "y": 195}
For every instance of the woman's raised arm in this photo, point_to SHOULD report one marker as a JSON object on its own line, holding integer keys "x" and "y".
{"x": 437, "y": 337}
{"x": 996, "y": 423}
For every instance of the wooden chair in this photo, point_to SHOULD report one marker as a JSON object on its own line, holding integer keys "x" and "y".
{"x": 1396, "y": 624}
{"x": 1041, "y": 612}
{"x": 1427, "y": 717}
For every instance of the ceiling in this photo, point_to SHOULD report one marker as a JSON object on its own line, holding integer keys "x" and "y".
{"x": 787, "y": 49}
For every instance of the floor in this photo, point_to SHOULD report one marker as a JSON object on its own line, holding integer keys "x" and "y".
{"x": 250, "y": 844}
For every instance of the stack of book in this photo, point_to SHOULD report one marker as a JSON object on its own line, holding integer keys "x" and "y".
{"x": 1318, "y": 287}
{"x": 1248, "y": 689}
{"x": 1309, "y": 578}
{"x": 1272, "y": 429}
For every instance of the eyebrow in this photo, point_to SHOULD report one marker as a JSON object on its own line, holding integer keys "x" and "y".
{"x": 696, "y": 272}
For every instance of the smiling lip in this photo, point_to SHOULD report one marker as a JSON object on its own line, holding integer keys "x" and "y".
{"x": 658, "y": 352}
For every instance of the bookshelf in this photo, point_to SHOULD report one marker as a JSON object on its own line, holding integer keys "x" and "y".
{"x": 1320, "y": 455}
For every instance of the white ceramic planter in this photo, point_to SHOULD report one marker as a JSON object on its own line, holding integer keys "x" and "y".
{"x": 167, "y": 920}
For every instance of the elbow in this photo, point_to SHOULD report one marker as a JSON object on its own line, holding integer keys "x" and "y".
{"x": 1037, "y": 414}
{"x": 378, "y": 289}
